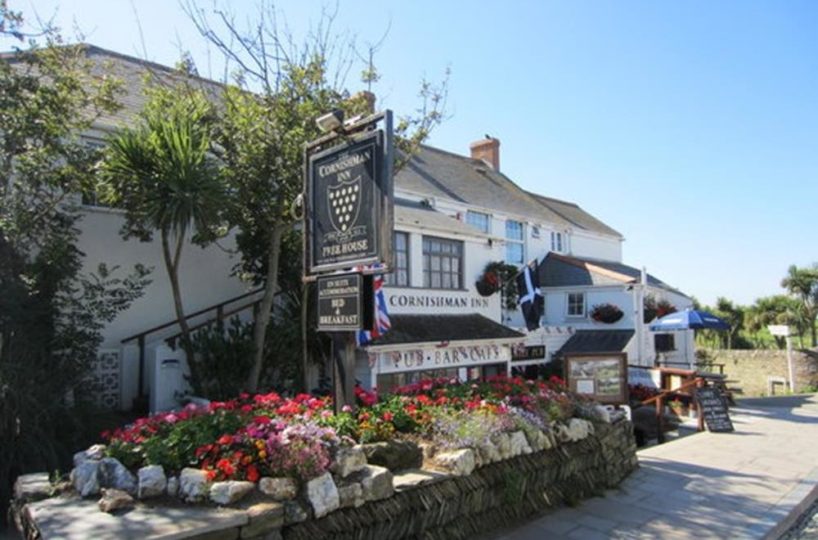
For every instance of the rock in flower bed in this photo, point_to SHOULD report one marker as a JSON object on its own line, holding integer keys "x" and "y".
{"x": 283, "y": 448}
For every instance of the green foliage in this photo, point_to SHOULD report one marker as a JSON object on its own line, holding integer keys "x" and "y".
{"x": 162, "y": 175}
{"x": 224, "y": 355}
{"x": 51, "y": 313}
{"x": 802, "y": 283}
{"x": 268, "y": 118}
{"x": 176, "y": 446}
{"x": 160, "y": 171}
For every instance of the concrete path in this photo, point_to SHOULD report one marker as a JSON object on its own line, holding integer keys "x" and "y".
{"x": 752, "y": 483}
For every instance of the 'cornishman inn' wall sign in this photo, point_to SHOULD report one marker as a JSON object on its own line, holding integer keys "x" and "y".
{"x": 349, "y": 190}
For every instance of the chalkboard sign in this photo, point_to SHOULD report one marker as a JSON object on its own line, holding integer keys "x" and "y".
{"x": 714, "y": 410}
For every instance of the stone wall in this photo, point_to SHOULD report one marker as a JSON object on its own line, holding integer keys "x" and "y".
{"x": 494, "y": 496}
{"x": 750, "y": 369}
{"x": 420, "y": 503}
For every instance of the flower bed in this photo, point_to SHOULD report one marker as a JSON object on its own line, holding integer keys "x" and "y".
{"x": 291, "y": 464}
{"x": 267, "y": 435}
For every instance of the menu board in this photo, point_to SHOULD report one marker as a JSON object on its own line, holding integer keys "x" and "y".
{"x": 714, "y": 410}
{"x": 603, "y": 377}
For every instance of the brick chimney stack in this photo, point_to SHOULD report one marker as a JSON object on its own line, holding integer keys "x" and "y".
{"x": 488, "y": 150}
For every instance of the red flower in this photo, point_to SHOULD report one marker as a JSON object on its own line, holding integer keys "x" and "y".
{"x": 252, "y": 473}
{"x": 387, "y": 416}
{"x": 225, "y": 467}
{"x": 225, "y": 440}
{"x": 262, "y": 420}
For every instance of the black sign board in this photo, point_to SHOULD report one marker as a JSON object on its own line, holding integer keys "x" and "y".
{"x": 339, "y": 303}
{"x": 349, "y": 193}
{"x": 529, "y": 352}
{"x": 714, "y": 410}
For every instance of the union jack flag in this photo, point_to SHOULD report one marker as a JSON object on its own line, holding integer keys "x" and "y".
{"x": 382, "y": 323}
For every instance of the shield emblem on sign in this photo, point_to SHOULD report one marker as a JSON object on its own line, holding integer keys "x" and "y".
{"x": 344, "y": 203}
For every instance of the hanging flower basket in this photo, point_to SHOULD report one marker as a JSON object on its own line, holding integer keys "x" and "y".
{"x": 654, "y": 309}
{"x": 488, "y": 284}
{"x": 606, "y": 313}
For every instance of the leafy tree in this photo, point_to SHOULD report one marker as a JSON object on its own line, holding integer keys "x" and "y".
{"x": 778, "y": 309}
{"x": 51, "y": 314}
{"x": 162, "y": 174}
{"x": 263, "y": 134}
{"x": 802, "y": 283}
{"x": 733, "y": 314}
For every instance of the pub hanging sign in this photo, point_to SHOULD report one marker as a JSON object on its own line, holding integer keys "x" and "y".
{"x": 349, "y": 205}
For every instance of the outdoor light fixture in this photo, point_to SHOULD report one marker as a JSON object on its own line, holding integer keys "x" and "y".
{"x": 330, "y": 121}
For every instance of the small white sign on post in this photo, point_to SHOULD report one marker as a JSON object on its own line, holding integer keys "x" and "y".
{"x": 783, "y": 330}
{"x": 780, "y": 330}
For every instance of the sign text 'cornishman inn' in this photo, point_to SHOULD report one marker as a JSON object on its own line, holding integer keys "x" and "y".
{"x": 345, "y": 188}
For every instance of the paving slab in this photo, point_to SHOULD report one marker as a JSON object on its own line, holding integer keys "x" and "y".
{"x": 71, "y": 518}
{"x": 750, "y": 484}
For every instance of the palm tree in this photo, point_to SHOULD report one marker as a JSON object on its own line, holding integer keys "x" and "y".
{"x": 803, "y": 284}
{"x": 161, "y": 173}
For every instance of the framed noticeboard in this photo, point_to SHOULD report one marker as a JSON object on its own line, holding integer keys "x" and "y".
{"x": 349, "y": 204}
{"x": 602, "y": 376}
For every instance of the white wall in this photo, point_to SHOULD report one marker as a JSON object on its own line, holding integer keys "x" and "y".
{"x": 556, "y": 306}
{"x": 607, "y": 248}
{"x": 204, "y": 278}
{"x": 204, "y": 274}
{"x": 416, "y": 299}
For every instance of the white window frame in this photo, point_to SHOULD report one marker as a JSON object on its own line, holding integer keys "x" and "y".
{"x": 557, "y": 242}
{"x": 391, "y": 279}
{"x": 474, "y": 213}
{"x": 456, "y": 252}
{"x": 515, "y": 241}
{"x": 568, "y": 304}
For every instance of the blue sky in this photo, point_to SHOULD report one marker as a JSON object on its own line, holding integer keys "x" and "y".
{"x": 690, "y": 127}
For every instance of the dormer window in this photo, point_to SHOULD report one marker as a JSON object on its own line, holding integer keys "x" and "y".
{"x": 479, "y": 221}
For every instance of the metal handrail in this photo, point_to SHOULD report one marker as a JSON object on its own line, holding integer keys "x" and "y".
{"x": 190, "y": 316}
{"x": 220, "y": 314}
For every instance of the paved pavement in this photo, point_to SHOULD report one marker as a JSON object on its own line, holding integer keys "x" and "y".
{"x": 753, "y": 483}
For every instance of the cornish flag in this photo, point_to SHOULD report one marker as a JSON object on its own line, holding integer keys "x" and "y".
{"x": 382, "y": 324}
{"x": 531, "y": 299}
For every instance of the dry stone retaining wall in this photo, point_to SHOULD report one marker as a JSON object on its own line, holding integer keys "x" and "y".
{"x": 496, "y": 495}
{"x": 419, "y": 503}
{"x": 751, "y": 369}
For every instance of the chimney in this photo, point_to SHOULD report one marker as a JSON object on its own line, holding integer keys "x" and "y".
{"x": 488, "y": 150}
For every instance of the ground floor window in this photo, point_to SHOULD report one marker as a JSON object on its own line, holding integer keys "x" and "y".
{"x": 387, "y": 382}
{"x": 664, "y": 342}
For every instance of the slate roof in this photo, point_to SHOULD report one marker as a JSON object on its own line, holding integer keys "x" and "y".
{"x": 443, "y": 328}
{"x": 576, "y": 216}
{"x": 409, "y": 213}
{"x": 562, "y": 271}
{"x": 131, "y": 72}
{"x": 437, "y": 173}
{"x": 430, "y": 172}
{"x": 596, "y": 341}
